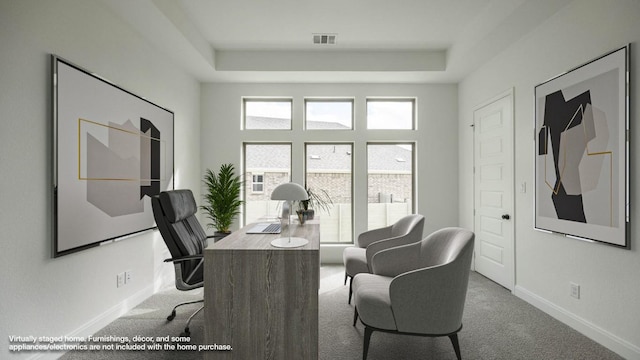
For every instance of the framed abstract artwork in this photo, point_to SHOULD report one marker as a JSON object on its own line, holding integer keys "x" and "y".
{"x": 112, "y": 151}
{"x": 582, "y": 151}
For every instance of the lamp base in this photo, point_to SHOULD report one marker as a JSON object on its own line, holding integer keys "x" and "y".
{"x": 286, "y": 242}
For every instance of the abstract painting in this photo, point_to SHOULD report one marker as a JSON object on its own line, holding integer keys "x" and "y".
{"x": 581, "y": 162}
{"x": 113, "y": 150}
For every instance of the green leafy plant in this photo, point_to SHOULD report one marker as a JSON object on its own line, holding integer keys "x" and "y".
{"x": 318, "y": 199}
{"x": 222, "y": 197}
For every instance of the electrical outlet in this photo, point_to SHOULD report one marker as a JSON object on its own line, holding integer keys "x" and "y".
{"x": 120, "y": 281}
{"x": 128, "y": 276}
{"x": 575, "y": 290}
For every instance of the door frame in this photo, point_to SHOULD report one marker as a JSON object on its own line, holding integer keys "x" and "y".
{"x": 507, "y": 93}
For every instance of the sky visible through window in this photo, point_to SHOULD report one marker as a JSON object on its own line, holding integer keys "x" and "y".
{"x": 275, "y": 109}
{"x": 330, "y": 112}
{"x": 381, "y": 114}
{"x": 390, "y": 115}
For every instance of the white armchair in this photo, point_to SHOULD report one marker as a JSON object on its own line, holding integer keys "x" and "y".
{"x": 357, "y": 258}
{"x": 417, "y": 289}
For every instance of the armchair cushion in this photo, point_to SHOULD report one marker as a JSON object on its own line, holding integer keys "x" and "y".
{"x": 372, "y": 300}
{"x": 355, "y": 260}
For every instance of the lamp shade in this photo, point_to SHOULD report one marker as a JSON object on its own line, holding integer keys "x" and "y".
{"x": 289, "y": 192}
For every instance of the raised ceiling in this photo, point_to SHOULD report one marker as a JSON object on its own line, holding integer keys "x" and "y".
{"x": 402, "y": 41}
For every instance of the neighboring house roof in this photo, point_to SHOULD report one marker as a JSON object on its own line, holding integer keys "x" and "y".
{"x": 270, "y": 123}
{"x": 269, "y": 156}
{"x": 325, "y": 157}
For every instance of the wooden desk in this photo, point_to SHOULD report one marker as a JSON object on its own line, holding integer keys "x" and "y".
{"x": 262, "y": 300}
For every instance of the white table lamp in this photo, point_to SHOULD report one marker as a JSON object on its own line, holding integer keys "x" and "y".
{"x": 289, "y": 192}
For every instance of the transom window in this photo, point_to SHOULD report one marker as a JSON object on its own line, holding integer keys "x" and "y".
{"x": 391, "y": 114}
{"x": 267, "y": 114}
{"x": 328, "y": 114}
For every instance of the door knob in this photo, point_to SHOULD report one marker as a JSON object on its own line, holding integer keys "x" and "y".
{"x": 506, "y": 217}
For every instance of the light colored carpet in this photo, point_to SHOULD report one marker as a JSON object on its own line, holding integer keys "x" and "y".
{"x": 496, "y": 325}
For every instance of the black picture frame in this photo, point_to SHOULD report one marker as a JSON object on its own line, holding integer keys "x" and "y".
{"x": 112, "y": 150}
{"x": 582, "y": 151}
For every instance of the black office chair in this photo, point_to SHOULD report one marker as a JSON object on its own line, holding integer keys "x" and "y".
{"x": 174, "y": 212}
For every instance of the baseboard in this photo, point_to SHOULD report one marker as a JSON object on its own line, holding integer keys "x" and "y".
{"x": 605, "y": 338}
{"x": 100, "y": 321}
{"x": 332, "y": 253}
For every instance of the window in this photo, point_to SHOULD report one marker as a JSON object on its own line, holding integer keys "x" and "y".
{"x": 323, "y": 160}
{"x": 257, "y": 183}
{"x": 390, "y": 182}
{"x": 266, "y": 165}
{"x": 329, "y": 169}
{"x": 391, "y": 114}
{"x": 329, "y": 114}
{"x": 267, "y": 114}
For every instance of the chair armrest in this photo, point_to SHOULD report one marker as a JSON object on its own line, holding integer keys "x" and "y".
{"x": 184, "y": 258}
{"x": 370, "y": 236}
{"x": 177, "y": 261}
{"x": 383, "y": 244}
{"x": 396, "y": 260}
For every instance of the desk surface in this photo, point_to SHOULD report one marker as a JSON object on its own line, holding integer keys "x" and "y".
{"x": 240, "y": 240}
{"x": 263, "y": 300}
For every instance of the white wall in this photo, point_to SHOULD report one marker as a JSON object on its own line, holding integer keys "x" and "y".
{"x": 74, "y": 294}
{"x": 437, "y": 149}
{"x": 608, "y": 309}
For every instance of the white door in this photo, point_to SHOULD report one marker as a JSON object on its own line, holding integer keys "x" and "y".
{"x": 493, "y": 190}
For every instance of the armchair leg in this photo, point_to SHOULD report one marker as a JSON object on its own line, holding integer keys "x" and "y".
{"x": 350, "y": 289}
{"x": 456, "y": 345}
{"x": 355, "y": 316}
{"x": 367, "y": 336}
{"x": 345, "y": 278}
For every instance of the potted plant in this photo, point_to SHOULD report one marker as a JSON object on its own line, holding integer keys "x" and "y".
{"x": 222, "y": 199}
{"x": 318, "y": 199}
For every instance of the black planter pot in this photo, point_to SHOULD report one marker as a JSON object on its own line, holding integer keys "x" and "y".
{"x": 218, "y": 235}
{"x": 304, "y": 215}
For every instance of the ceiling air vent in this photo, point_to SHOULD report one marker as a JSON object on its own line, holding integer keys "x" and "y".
{"x": 324, "y": 39}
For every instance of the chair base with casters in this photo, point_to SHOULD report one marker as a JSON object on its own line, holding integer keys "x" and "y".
{"x": 172, "y": 316}
{"x": 368, "y": 330}
{"x": 182, "y": 284}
